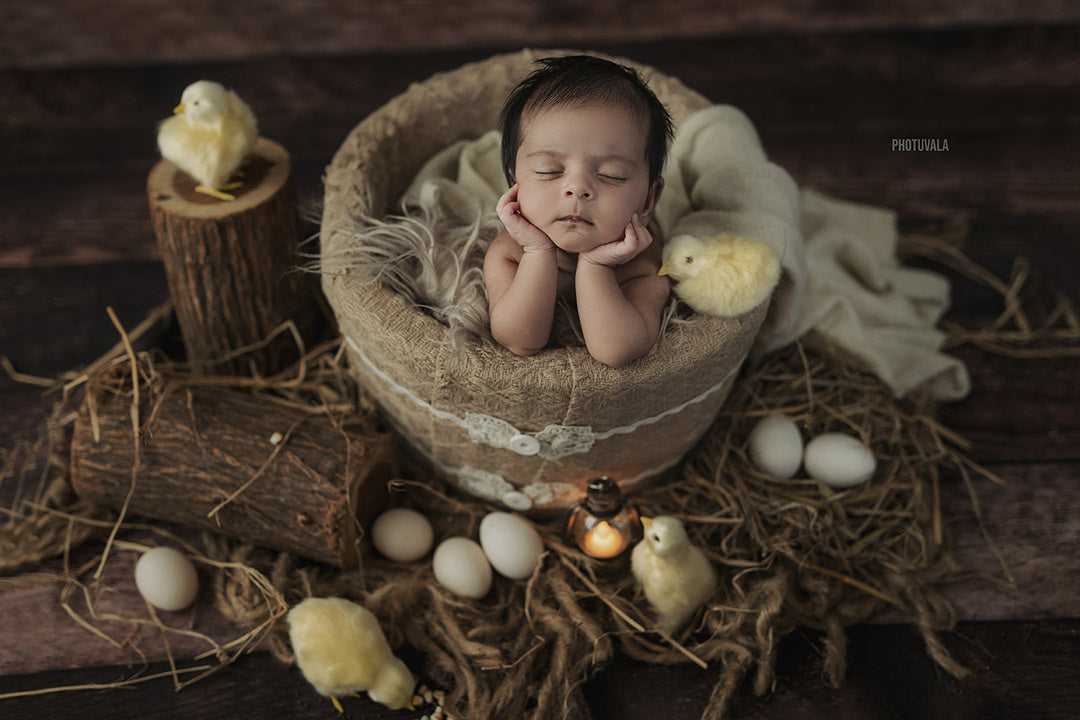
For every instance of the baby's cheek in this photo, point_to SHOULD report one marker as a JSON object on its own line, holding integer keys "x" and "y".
{"x": 529, "y": 205}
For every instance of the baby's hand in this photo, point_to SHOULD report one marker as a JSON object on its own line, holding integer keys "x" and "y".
{"x": 525, "y": 234}
{"x": 612, "y": 254}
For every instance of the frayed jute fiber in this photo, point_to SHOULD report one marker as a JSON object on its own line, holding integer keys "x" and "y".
{"x": 789, "y": 554}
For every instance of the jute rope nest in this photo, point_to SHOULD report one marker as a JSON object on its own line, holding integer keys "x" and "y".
{"x": 528, "y": 432}
{"x": 789, "y": 554}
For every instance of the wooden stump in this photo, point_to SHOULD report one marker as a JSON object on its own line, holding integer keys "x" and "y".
{"x": 231, "y": 265}
{"x": 207, "y": 460}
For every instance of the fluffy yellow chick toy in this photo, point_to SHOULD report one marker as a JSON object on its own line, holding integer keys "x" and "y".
{"x": 721, "y": 275}
{"x": 211, "y": 132}
{"x": 341, "y": 650}
{"x": 676, "y": 576}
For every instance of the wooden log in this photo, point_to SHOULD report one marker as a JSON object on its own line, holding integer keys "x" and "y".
{"x": 208, "y": 460}
{"x": 231, "y": 265}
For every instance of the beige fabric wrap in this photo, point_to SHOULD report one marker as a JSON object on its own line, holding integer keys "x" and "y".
{"x": 562, "y": 386}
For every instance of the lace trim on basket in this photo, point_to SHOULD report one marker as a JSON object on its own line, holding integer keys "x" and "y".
{"x": 551, "y": 443}
{"x": 494, "y": 487}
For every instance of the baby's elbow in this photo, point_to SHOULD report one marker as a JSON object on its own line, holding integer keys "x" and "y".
{"x": 616, "y": 357}
{"x": 509, "y": 341}
{"x": 615, "y": 362}
{"x": 522, "y": 351}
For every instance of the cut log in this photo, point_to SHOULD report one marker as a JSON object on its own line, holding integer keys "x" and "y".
{"x": 208, "y": 458}
{"x": 232, "y": 265}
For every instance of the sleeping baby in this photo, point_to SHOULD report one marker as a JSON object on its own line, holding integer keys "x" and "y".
{"x": 583, "y": 146}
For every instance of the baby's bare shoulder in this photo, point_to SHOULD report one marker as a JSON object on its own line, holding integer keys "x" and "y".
{"x": 500, "y": 264}
{"x": 503, "y": 247}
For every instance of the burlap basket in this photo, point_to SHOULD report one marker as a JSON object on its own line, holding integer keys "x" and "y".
{"x": 527, "y": 432}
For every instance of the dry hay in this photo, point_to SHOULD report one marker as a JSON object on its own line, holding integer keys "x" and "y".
{"x": 790, "y": 554}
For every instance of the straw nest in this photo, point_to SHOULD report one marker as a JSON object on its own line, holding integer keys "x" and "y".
{"x": 790, "y": 554}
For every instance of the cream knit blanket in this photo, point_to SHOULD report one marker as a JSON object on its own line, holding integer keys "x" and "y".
{"x": 841, "y": 276}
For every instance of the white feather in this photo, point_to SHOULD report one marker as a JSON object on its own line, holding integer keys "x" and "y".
{"x": 430, "y": 259}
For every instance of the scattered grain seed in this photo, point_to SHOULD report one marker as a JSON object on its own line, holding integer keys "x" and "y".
{"x": 428, "y": 697}
{"x": 417, "y": 701}
{"x": 275, "y": 438}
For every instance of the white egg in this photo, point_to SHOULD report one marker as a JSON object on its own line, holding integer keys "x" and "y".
{"x": 166, "y": 578}
{"x": 511, "y": 544}
{"x": 402, "y": 534}
{"x": 462, "y": 568}
{"x": 839, "y": 460}
{"x": 776, "y": 446}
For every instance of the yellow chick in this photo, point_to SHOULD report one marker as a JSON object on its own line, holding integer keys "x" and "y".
{"x": 211, "y": 132}
{"x": 676, "y": 576}
{"x": 341, "y": 650}
{"x": 721, "y": 275}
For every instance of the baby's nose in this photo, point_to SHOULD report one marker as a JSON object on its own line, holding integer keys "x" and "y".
{"x": 577, "y": 186}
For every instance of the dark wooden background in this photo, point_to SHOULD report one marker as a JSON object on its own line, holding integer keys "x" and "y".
{"x": 82, "y": 86}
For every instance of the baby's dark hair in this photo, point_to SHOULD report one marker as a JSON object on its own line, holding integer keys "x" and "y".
{"x": 576, "y": 80}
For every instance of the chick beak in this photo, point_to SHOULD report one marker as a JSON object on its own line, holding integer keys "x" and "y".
{"x": 646, "y": 523}
{"x": 663, "y": 269}
{"x": 179, "y": 109}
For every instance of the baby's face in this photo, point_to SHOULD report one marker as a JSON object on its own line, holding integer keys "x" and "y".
{"x": 582, "y": 174}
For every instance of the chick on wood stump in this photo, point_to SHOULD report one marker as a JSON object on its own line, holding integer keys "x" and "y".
{"x": 232, "y": 264}
{"x": 211, "y": 133}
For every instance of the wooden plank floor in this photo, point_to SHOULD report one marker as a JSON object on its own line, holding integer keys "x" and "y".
{"x": 75, "y": 236}
{"x": 126, "y": 31}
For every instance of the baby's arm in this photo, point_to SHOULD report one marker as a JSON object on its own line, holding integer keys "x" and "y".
{"x": 521, "y": 279}
{"x": 620, "y": 310}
